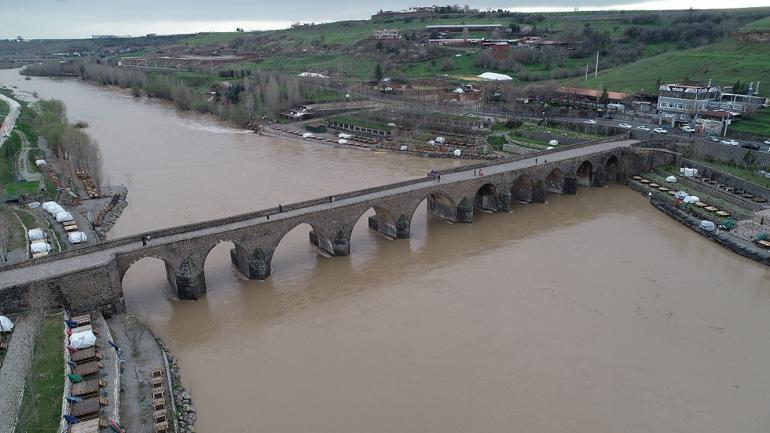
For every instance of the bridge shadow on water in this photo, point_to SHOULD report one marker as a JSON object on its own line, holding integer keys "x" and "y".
{"x": 301, "y": 277}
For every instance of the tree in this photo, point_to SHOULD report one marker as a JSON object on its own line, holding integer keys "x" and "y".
{"x": 605, "y": 98}
{"x": 378, "y": 72}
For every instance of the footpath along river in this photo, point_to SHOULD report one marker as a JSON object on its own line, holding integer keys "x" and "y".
{"x": 589, "y": 313}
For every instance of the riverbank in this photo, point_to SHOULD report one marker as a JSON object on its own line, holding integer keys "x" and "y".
{"x": 733, "y": 243}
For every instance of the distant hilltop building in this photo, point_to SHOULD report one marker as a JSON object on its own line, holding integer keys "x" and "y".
{"x": 386, "y": 34}
{"x": 424, "y": 11}
{"x": 110, "y": 36}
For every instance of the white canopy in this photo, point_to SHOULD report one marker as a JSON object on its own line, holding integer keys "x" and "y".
{"x": 40, "y": 247}
{"x": 5, "y": 324}
{"x": 681, "y": 195}
{"x": 63, "y": 216}
{"x": 691, "y": 199}
{"x": 553, "y": 142}
{"x": 707, "y": 225}
{"x": 35, "y": 234}
{"x": 82, "y": 340}
{"x": 343, "y": 135}
{"x": 671, "y": 179}
{"x": 40, "y": 162}
{"x": 457, "y": 152}
{"x": 77, "y": 237}
{"x": 342, "y": 141}
{"x": 440, "y": 140}
{"x": 52, "y": 207}
{"x": 493, "y": 76}
{"x": 312, "y": 75}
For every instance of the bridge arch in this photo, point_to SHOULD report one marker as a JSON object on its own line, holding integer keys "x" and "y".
{"x": 554, "y": 182}
{"x": 486, "y": 198}
{"x": 522, "y": 187}
{"x": 612, "y": 168}
{"x": 584, "y": 173}
{"x": 148, "y": 265}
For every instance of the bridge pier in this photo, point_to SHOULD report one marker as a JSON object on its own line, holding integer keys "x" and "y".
{"x": 465, "y": 211}
{"x": 538, "y": 192}
{"x": 442, "y": 210}
{"x": 189, "y": 281}
{"x": 255, "y": 266}
{"x": 381, "y": 225}
{"x": 485, "y": 202}
{"x": 570, "y": 185}
{"x": 599, "y": 178}
{"x": 339, "y": 246}
{"x": 504, "y": 201}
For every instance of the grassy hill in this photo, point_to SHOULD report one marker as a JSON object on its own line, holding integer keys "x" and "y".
{"x": 763, "y": 24}
{"x": 724, "y": 62}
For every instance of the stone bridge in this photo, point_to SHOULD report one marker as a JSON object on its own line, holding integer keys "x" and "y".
{"x": 91, "y": 277}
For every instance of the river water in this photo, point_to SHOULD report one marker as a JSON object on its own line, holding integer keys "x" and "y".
{"x": 590, "y": 313}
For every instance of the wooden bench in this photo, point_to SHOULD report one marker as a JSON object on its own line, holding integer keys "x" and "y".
{"x": 85, "y": 355}
{"x": 85, "y": 319}
{"x": 90, "y": 426}
{"x": 159, "y": 404}
{"x": 158, "y": 394}
{"x": 86, "y": 407}
{"x": 161, "y": 427}
{"x": 763, "y": 243}
{"x": 87, "y": 369}
{"x": 160, "y": 416}
{"x": 158, "y": 372}
{"x": 156, "y": 382}
{"x": 87, "y": 387}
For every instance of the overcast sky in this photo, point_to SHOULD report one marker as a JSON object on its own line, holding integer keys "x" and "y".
{"x": 82, "y": 18}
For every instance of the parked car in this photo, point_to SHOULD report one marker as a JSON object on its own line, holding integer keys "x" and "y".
{"x": 625, "y": 125}
{"x": 751, "y": 146}
{"x": 642, "y": 128}
{"x": 660, "y": 131}
{"x": 730, "y": 142}
{"x": 590, "y": 121}
{"x": 767, "y": 141}
{"x": 713, "y": 138}
{"x": 688, "y": 128}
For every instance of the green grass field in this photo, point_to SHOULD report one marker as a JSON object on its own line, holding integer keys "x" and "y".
{"x": 763, "y": 24}
{"x": 743, "y": 173}
{"x": 724, "y": 62}
{"x": 758, "y": 125}
{"x": 41, "y": 407}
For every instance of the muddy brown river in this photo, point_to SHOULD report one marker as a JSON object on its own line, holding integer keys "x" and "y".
{"x": 589, "y": 313}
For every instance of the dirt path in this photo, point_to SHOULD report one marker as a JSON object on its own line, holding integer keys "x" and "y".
{"x": 22, "y": 162}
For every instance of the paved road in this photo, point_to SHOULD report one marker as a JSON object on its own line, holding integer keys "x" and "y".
{"x": 70, "y": 264}
{"x": 10, "y": 119}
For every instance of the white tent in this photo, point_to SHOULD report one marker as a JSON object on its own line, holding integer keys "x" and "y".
{"x": 457, "y": 152}
{"x": 553, "y": 142}
{"x": 52, "y": 207}
{"x": 440, "y": 140}
{"x": 312, "y": 75}
{"x": 342, "y": 141}
{"x": 307, "y": 135}
{"x": 681, "y": 195}
{"x": 493, "y": 76}
{"x": 671, "y": 179}
{"x": 691, "y": 199}
{"x": 77, "y": 237}
{"x": 35, "y": 234}
{"x": 707, "y": 225}
{"x": 82, "y": 340}
{"x": 343, "y": 135}
{"x": 5, "y": 324}
{"x": 63, "y": 216}
{"x": 40, "y": 247}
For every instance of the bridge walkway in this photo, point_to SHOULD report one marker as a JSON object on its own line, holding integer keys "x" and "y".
{"x": 65, "y": 265}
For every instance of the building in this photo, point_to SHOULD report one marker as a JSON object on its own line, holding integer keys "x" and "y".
{"x": 738, "y": 103}
{"x": 588, "y": 98}
{"x": 679, "y": 104}
{"x": 386, "y": 34}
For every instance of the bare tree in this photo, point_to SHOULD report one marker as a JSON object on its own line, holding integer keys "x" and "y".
{"x": 5, "y": 233}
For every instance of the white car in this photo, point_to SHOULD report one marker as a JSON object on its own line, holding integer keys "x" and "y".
{"x": 688, "y": 128}
{"x": 767, "y": 141}
{"x": 590, "y": 121}
{"x": 642, "y": 128}
{"x": 625, "y": 125}
{"x": 730, "y": 142}
{"x": 660, "y": 131}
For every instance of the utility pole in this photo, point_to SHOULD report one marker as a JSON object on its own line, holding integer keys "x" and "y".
{"x": 596, "y": 70}
{"x": 586, "y": 71}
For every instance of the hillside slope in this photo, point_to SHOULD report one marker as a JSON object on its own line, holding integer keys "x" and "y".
{"x": 724, "y": 62}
